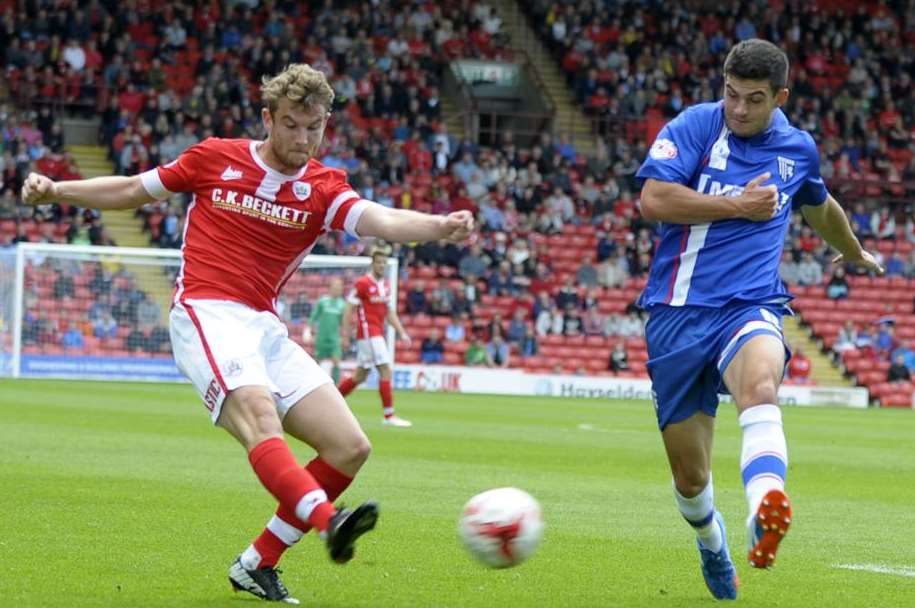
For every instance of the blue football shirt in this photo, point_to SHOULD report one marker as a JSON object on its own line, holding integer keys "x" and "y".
{"x": 729, "y": 260}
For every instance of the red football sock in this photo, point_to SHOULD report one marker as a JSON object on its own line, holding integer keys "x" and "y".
{"x": 333, "y": 481}
{"x": 346, "y": 386}
{"x": 387, "y": 399}
{"x": 269, "y": 545}
{"x": 294, "y": 487}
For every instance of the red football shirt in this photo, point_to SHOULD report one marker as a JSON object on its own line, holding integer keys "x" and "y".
{"x": 371, "y": 297}
{"x": 248, "y": 226}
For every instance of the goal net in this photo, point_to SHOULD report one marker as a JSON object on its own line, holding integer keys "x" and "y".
{"x": 101, "y": 313}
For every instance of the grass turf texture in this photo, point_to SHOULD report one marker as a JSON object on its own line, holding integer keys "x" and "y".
{"x": 123, "y": 495}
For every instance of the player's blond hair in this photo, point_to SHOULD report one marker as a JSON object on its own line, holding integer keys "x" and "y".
{"x": 299, "y": 83}
{"x": 379, "y": 249}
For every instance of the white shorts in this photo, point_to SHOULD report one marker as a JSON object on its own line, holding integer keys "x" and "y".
{"x": 372, "y": 352}
{"x": 222, "y": 345}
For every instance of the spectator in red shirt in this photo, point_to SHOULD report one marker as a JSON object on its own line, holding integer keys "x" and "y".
{"x": 462, "y": 202}
{"x": 131, "y": 99}
{"x": 799, "y": 366}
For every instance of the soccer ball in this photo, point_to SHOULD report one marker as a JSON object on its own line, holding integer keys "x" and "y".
{"x": 501, "y": 527}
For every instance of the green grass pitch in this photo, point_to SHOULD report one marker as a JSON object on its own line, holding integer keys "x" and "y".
{"x": 123, "y": 495}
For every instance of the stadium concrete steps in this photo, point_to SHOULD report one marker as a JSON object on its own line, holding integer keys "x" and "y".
{"x": 570, "y": 118}
{"x": 823, "y": 372}
{"x": 82, "y": 131}
{"x": 125, "y": 227}
{"x": 453, "y": 118}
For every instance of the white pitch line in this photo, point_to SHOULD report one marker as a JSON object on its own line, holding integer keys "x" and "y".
{"x": 590, "y": 427}
{"x": 900, "y": 571}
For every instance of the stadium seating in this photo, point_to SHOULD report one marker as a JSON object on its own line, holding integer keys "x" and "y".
{"x": 208, "y": 68}
{"x": 870, "y": 300}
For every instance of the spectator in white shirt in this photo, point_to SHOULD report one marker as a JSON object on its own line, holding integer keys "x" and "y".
{"x": 632, "y": 326}
{"x": 74, "y": 55}
{"x": 808, "y": 271}
{"x": 846, "y": 340}
{"x": 492, "y": 23}
{"x": 614, "y": 322}
{"x": 788, "y": 269}
{"x": 612, "y": 272}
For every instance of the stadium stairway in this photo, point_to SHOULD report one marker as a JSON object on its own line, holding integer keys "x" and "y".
{"x": 822, "y": 371}
{"x": 124, "y": 227}
{"x": 453, "y": 117}
{"x": 570, "y": 118}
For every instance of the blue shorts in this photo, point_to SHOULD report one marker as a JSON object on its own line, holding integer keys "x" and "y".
{"x": 689, "y": 347}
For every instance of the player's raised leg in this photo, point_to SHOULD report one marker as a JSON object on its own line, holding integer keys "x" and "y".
{"x": 322, "y": 420}
{"x": 752, "y": 377}
{"x": 249, "y": 414}
{"x": 689, "y": 445}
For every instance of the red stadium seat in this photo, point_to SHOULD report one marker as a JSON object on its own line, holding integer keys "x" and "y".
{"x": 897, "y": 400}
{"x": 407, "y": 356}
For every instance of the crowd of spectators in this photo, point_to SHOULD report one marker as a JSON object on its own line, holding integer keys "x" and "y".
{"x": 32, "y": 140}
{"x": 80, "y": 306}
{"x": 853, "y": 69}
{"x": 164, "y": 80}
{"x": 878, "y": 341}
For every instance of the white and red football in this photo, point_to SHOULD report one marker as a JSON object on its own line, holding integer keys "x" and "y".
{"x": 501, "y": 527}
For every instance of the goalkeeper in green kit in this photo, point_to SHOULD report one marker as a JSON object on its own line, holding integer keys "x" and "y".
{"x": 324, "y": 326}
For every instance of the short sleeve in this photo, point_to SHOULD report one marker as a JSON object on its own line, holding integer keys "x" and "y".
{"x": 677, "y": 150}
{"x": 812, "y": 192}
{"x": 344, "y": 206}
{"x": 179, "y": 175}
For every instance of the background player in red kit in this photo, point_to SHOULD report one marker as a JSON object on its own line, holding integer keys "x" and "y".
{"x": 371, "y": 296}
{"x": 257, "y": 209}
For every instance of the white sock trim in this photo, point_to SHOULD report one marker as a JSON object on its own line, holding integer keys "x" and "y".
{"x": 699, "y": 506}
{"x": 284, "y": 531}
{"x": 308, "y": 503}
{"x": 250, "y": 558}
{"x": 766, "y": 412}
{"x": 763, "y": 435}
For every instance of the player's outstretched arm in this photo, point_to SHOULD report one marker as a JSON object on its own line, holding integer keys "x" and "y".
{"x": 404, "y": 226}
{"x": 830, "y": 222}
{"x": 677, "y": 204}
{"x": 111, "y": 192}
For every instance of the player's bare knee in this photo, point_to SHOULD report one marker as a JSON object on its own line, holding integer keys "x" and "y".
{"x": 348, "y": 455}
{"x": 359, "y": 450}
{"x": 690, "y": 479}
{"x": 763, "y": 390}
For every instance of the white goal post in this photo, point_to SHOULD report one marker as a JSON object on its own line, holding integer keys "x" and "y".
{"x": 101, "y": 313}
